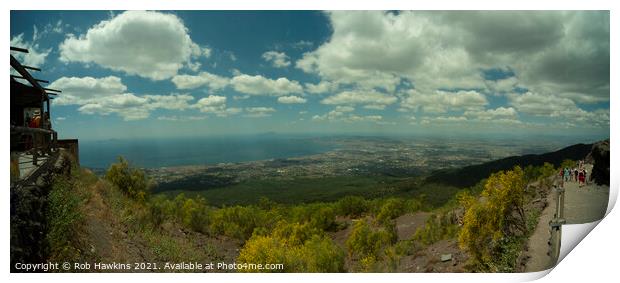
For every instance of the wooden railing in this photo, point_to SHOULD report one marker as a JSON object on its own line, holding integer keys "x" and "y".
{"x": 35, "y": 141}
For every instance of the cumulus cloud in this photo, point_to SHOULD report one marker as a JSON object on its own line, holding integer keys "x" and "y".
{"x": 153, "y": 45}
{"x": 170, "y": 102}
{"x": 542, "y": 105}
{"x": 559, "y": 108}
{"x": 127, "y": 105}
{"x": 345, "y": 114}
{"x": 258, "y": 112}
{"x": 277, "y": 59}
{"x": 132, "y": 107}
{"x": 212, "y": 81}
{"x": 80, "y": 90}
{"x": 339, "y": 116}
{"x": 565, "y": 53}
{"x": 291, "y": 99}
{"x": 107, "y": 95}
{"x": 492, "y": 114}
{"x": 370, "y": 97}
{"x": 321, "y": 87}
{"x": 259, "y": 85}
{"x": 443, "y": 101}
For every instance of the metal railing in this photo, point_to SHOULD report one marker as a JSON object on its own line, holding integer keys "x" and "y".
{"x": 556, "y": 223}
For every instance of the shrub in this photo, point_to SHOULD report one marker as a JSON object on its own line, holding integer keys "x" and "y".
{"x": 353, "y": 206}
{"x": 391, "y": 209}
{"x": 499, "y": 214}
{"x": 367, "y": 243}
{"x": 241, "y": 221}
{"x": 546, "y": 172}
{"x": 436, "y": 228}
{"x": 299, "y": 247}
{"x": 321, "y": 216}
{"x": 131, "y": 181}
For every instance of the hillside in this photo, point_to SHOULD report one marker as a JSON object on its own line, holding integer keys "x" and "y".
{"x": 471, "y": 175}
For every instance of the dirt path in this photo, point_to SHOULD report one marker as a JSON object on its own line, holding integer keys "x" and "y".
{"x": 407, "y": 224}
{"x": 538, "y": 244}
{"x": 585, "y": 204}
{"x": 105, "y": 237}
{"x": 581, "y": 205}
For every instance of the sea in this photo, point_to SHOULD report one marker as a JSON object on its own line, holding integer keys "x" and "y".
{"x": 170, "y": 152}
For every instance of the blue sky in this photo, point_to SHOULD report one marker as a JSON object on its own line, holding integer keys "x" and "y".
{"x": 197, "y": 73}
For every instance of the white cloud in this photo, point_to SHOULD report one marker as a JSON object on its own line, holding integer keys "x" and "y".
{"x": 36, "y": 55}
{"x": 127, "y": 105}
{"x": 132, "y": 107}
{"x": 342, "y": 114}
{"x": 322, "y": 87}
{"x": 259, "y": 85}
{"x": 442, "y": 120}
{"x": 375, "y": 106}
{"x": 344, "y": 109}
{"x": 370, "y": 97}
{"x": 58, "y": 27}
{"x": 345, "y": 114}
{"x": 291, "y": 99}
{"x": 168, "y": 118}
{"x": 258, "y": 112}
{"x": 212, "y": 103}
{"x": 148, "y": 44}
{"x": 492, "y": 114}
{"x": 277, "y": 59}
{"x": 212, "y": 81}
{"x": 104, "y": 96}
{"x": 216, "y": 105}
{"x": 542, "y": 105}
{"x": 560, "y": 108}
{"x": 368, "y": 118}
{"x": 81, "y": 90}
{"x": 303, "y": 44}
{"x": 565, "y": 53}
{"x": 443, "y": 101}
{"x": 170, "y": 102}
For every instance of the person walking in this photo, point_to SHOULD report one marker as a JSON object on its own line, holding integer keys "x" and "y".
{"x": 576, "y": 173}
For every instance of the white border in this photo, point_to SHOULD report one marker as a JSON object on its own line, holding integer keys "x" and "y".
{"x": 595, "y": 257}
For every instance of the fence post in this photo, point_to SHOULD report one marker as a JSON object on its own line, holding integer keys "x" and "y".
{"x": 556, "y": 224}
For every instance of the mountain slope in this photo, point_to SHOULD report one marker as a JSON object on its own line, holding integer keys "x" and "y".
{"x": 470, "y": 175}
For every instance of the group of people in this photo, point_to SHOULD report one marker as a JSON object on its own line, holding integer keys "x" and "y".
{"x": 578, "y": 174}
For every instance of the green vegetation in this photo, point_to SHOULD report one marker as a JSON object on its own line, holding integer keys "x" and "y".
{"x": 568, "y": 163}
{"x": 65, "y": 216}
{"x": 369, "y": 245}
{"x": 438, "y": 227}
{"x": 325, "y": 189}
{"x": 496, "y": 222}
{"x": 131, "y": 181}
{"x": 496, "y": 225}
{"x": 300, "y": 247}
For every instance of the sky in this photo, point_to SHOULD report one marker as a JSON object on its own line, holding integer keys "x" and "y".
{"x": 141, "y": 74}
